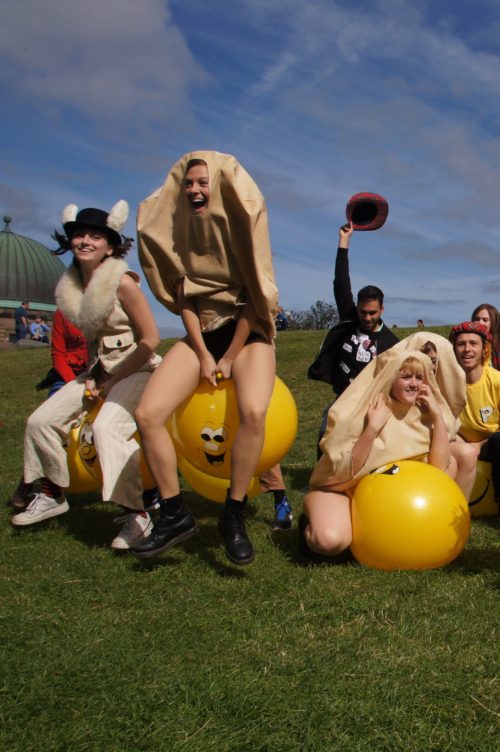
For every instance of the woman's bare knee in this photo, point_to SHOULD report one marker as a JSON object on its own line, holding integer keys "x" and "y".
{"x": 254, "y": 419}
{"x": 465, "y": 456}
{"x": 148, "y": 419}
{"x": 328, "y": 540}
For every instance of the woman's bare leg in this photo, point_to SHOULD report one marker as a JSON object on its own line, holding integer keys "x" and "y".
{"x": 329, "y": 531}
{"x": 254, "y": 371}
{"x": 465, "y": 456}
{"x": 172, "y": 382}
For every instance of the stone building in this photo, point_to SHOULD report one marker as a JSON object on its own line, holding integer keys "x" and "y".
{"x": 28, "y": 271}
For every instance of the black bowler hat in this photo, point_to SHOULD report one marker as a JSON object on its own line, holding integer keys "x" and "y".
{"x": 111, "y": 224}
{"x": 367, "y": 211}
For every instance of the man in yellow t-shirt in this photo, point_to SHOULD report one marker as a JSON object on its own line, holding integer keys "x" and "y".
{"x": 480, "y": 418}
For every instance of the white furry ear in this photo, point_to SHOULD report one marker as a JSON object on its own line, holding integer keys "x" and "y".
{"x": 69, "y": 213}
{"x": 118, "y": 216}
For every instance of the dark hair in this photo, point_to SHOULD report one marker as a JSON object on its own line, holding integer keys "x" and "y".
{"x": 119, "y": 250}
{"x": 194, "y": 163}
{"x": 428, "y": 347}
{"x": 370, "y": 292}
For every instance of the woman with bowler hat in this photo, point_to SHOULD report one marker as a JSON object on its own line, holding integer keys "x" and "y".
{"x": 100, "y": 295}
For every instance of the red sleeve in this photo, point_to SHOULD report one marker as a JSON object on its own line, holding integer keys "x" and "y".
{"x": 59, "y": 348}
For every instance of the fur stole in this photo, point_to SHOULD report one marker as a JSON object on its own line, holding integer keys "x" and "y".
{"x": 90, "y": 309}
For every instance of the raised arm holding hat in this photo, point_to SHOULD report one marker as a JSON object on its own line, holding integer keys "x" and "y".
{"x": 359, "y": 336}
{"x": 361, "y": 333}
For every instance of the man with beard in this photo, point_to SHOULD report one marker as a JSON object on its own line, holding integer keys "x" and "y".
{"x": 359, "y": 336}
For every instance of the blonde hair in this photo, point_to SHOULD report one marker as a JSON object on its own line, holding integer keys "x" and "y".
{"x": 412, "y": 366}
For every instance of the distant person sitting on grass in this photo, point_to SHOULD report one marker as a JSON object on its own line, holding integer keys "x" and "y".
{"x": 394, "y": 410}
{"x": 40, "y": 330}
{"x": 101, "y": 296}
{"x": 480, "y": 419}
{"x": 281, "y": 319}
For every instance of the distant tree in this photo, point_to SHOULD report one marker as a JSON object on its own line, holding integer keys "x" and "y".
{"x": 324, "y": 315}
{"x": 321, "y": 315}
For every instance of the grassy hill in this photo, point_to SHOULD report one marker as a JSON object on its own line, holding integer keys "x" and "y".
{"x": 103, "y": 653}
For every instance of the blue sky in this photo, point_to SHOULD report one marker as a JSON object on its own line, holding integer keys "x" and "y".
{"x": 318, "y": 99}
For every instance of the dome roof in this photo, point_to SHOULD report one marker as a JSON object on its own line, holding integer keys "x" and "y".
{"x": 28, "y": 270}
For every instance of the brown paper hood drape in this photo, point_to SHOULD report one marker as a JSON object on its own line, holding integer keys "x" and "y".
{"x": 224, "y": 255}
{"x": 450, "y": 376}
{"x": 406, "y": 434}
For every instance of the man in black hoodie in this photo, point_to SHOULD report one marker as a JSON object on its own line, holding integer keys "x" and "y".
{"x": 359, "y": 336}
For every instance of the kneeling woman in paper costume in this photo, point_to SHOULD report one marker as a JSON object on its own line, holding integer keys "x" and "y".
{"x": 392, "y": 411}
{"x": 204, "y": 247}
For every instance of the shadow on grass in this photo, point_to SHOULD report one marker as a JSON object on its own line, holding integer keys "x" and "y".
{"x": 288, "y": 545}
{"x": 493, "y": 522}
{"x": 92, "y": 524}
{"x": 299, "y": 478}
{"x": 476, "y": 559}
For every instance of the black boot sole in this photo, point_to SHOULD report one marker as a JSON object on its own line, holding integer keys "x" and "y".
{"x": 186, "y": 535}
{"x": 248, "y": 560}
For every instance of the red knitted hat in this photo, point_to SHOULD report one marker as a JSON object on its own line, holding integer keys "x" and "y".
{"x": 470, "y": 327}
{"x": 367, "y": 211}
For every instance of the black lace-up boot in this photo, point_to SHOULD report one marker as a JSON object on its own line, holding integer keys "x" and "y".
{"x": 231, "y": 526}
{"x": 175, "y": 525}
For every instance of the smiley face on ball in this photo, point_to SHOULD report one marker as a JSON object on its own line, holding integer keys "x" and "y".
{"x": 215, "y": 446}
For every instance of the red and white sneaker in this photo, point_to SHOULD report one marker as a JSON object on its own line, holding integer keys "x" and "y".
{"x": 136, "y": 528}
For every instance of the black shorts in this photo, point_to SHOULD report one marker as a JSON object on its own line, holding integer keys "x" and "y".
{"x": 219, "y": 340}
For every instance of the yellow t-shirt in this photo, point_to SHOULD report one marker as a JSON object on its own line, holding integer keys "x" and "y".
{"x": 480, "y": 416}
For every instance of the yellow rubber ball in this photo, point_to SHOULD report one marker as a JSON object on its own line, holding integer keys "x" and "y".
{"x": 209, "y": 486}
{"x": 482, "y": 499}
{"x": 85, "y": 457}
{"x": 205, "y": 425}
{"x": 408, "y": 515}
{"x": 81, "y": 480}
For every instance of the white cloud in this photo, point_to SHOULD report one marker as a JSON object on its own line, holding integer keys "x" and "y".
{"x": 107, "y": 59}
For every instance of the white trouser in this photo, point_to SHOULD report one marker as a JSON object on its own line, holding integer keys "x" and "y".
{"x": 48, "y": 428}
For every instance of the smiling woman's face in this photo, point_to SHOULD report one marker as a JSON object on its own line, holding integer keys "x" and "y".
{"x": 406, "y": 387}
{"x": 90, "y": 245}
{"x": 197, "y": 189}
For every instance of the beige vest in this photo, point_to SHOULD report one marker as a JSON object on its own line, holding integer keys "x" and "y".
{"x": 116, "y": 341}
{"x": 99, "y": 314}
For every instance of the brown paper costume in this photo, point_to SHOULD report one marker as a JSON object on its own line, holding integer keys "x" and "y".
{"x": 224, "y": 256}
{"x": 450, "y": 376}
{"x": 405, "y": 435}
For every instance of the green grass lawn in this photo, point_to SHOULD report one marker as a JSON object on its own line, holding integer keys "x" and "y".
{"x": 101, "y": 652}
